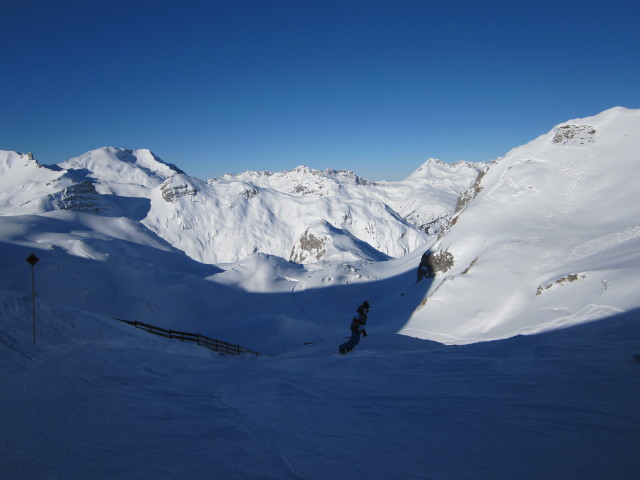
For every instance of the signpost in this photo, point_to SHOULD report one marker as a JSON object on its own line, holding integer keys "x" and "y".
{"x": 32, "y": 260}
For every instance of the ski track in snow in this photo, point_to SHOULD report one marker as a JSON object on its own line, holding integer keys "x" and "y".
{"x": 606, "y": 241}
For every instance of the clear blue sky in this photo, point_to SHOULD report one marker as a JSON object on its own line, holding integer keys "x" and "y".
{"x": 376, "y": 87}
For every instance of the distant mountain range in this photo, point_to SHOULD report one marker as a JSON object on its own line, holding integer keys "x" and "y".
{"x": 226, "y": 219}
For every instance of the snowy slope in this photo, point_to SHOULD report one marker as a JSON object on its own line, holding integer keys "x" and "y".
{"x": 94, "y": 398}
{"x": 552, "y": 237}
{"x": 118, "y": 268}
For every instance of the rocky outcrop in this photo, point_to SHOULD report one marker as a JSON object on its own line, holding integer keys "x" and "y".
{"x": 435, "y": 226}
{"x": 574, "y": 277}
{"x": 250, "y": 192}
{"x": 470, "y": 193}
{"x": 439, "y": 262}
{"x": 79, "y": 197}
{"x": 309, "y": 248}
{"x": 171, "y": 192}
{"x": 574, "y": 135}
{"x": 464, "y": 199}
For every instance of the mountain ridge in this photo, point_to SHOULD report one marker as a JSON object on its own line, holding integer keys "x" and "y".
{"x": 223, "y": 220}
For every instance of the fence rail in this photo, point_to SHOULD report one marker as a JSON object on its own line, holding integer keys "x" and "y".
{"x": 219, "y": 346}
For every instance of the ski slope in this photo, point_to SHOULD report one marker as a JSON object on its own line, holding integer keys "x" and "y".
{"x": 97, "y": 399}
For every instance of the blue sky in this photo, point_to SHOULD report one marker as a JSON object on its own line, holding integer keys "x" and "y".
{"x": 376, "y": 87}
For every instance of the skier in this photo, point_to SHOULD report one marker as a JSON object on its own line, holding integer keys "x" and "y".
{"x": 356, "y": 331}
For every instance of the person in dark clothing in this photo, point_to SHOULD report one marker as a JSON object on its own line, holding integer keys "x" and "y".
{"x": 356, "y": 328}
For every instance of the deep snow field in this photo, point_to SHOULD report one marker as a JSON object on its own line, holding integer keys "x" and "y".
{"x": 513, "y": 361}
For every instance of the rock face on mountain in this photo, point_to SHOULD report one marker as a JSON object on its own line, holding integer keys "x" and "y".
{"x": 79, "y": 197}
{"x": 574, "y": 135}
{"x": 177, "y": 186}
{"x": 309, "y": 247}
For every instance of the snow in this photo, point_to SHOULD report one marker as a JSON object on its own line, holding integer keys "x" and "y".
{"x": 540, "y": 301}
{"x": 96, "y": 398}
{"x": 122, "y": 171}
{"x": 546, "y": 212}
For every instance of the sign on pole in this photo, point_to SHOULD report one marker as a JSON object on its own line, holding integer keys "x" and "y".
{"x": 32, "y": 260}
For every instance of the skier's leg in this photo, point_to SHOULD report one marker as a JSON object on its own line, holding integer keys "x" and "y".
{"x": 352, "y": 342}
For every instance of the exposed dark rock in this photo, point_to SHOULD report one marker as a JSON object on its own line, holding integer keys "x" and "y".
{"x": 464, "y": 199}
{"x": 473, "y": 262}
{"x": 434, "y": 227}
{"x": 171, "y": 192}
{"x": 573, "y": 277}
{"x": 250, "y": 192}
{"x": 308, "y": 246}
{"x": 79, "y": 197}
{"x": 574, "y": 135}
{"x": 470, "y": 193}
{"x": 434, "y": 263}
{"x": 424, "y": 269}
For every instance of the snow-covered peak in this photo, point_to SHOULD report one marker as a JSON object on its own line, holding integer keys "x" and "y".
{"x": 16, "y": 163}
{"x": 435, "y": 171}
{"x": 24, "y": 182}
{"x": 301, "y": 181}
{"x": 116, "y": 168}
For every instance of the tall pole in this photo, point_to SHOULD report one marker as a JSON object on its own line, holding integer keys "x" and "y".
{"x": 32, "y": 260}
{"x": 33, "y": 299}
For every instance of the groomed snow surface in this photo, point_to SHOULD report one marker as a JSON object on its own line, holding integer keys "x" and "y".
{"x": 97, "y": 399}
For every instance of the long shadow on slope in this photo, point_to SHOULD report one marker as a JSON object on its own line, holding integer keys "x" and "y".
{"x": 613, "y": 337}
{"x": 274, "y": 322}
{"x": 157, "y": 284}
{"x": 84, "y": 268}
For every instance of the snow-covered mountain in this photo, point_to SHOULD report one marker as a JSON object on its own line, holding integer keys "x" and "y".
{"x": 545, "y": 237}
{"x": 548, "y": 237}
{"x": 230, "y": 218}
